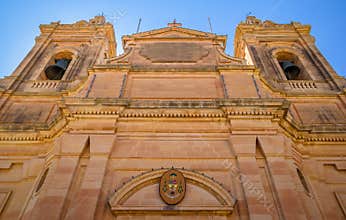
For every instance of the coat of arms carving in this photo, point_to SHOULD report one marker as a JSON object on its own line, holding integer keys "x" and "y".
{"x": 172, "y": 187}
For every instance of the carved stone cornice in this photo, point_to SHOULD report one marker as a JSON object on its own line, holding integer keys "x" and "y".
{"x": 314, "y": 133}
{"x": 30, "y": 134}
{"x": 71, "y": 109}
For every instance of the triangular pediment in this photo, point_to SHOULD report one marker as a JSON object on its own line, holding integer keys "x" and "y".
{"x": 174, "y": 46}
{"x": 177, "y": 30}
{"x": 174, "y": 32}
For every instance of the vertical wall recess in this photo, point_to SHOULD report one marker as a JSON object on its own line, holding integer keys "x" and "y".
{"x": 123, "y": 84}
{"x": 90, "y": 86}
{"x": 78, "y": 177}
{"x": 4, "y": 197}
{"x": 271, "y": 201}
{"x": 341, "y": 198}
{"x": 42, "y": 180}
{"x": 224, "y": 86}
{"x": 256, "y": 86}
{"x": 303, "y": 181}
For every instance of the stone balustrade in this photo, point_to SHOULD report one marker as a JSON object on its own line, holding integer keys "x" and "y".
{"x": 302, "y": 84}
{"x": 45, "y": 83}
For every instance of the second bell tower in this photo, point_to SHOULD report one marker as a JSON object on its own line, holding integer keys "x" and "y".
{"x": 61, "y": 55}
{"x": 287, "y": 56}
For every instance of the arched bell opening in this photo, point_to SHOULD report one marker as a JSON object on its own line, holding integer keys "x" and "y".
{"x": 57, "y": 66}
{"x": 291, "y": 66}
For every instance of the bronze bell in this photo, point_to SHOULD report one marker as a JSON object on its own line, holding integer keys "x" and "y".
{"x": 57, "y": 70}
{"x": 291, "y": 71}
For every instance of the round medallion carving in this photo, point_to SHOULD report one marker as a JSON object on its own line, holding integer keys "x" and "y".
{"x": 172, "y": 187}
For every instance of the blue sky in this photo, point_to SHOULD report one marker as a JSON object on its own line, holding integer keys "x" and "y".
{"x": 20, "y": 20}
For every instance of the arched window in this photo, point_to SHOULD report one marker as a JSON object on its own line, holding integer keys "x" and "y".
{"x": 58, "y": 65}
{"x": 291, "y": 66}
{"x": 302, "y": 180}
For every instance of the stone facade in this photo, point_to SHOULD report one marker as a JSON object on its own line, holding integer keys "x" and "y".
{"x": 245, "y": 141}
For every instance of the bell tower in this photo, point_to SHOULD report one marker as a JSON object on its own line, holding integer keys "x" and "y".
{"x": 61, "y": 56}
{"x": 287, "y": 56}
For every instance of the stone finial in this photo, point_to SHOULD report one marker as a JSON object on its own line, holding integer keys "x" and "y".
{"x": 252, "y": 20}
{"x": 174, "y": 24}
{"x": 100, "y": 19}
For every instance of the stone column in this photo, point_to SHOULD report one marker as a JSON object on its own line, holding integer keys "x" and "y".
{"x": 84, "y": 204}
{"x": 245, "y": 149}
{"x": 54, "y": 190}
{"x": 289, "y": 203}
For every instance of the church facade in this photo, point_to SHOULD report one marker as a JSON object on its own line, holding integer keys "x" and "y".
{"x": 173, "y": 128}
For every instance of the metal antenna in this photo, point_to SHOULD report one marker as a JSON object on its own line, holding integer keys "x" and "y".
{"x": 211, "y": 29}
{"x": 139, "y": 24}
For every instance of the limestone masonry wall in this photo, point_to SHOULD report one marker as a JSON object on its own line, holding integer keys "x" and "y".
{"x": 242, "y": 137}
